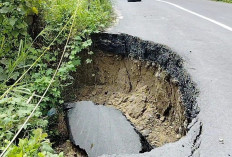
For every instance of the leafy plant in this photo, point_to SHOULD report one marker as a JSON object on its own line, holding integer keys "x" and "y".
{"x": 19, "y": 49}
{"x": 13, "y": 111}
{"x": 36, "y": 146}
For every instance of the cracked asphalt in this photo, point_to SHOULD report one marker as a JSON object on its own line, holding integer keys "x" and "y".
{"x": 206, "y": 47}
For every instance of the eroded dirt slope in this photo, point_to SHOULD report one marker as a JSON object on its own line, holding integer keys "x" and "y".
{"x": 148, "y": 97}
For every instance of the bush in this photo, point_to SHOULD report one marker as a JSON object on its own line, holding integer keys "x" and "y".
{"x": 37, "y": 146}
{"x": 21, "y": 45}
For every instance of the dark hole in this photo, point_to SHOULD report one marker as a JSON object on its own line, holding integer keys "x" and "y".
{"x": 167, "y": 111}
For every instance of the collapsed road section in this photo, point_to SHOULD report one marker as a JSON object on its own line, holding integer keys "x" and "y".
{"x": 144, "y": 80}
{"x": 168, "y": 60}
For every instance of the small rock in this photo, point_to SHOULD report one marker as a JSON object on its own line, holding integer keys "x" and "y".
{"x": 94, "y": 93}
{"x": 144, "y": 98}
{"x": 139, "y": 128}
{"x": 186, "y": 123}
{"x": 145, "y": 132}
{"x": 162, "y": 118}
{"x": 175, "y": 81}
{"x": 221, "y": 140}
{"x": 177, "y": 130}
{"x": 109, "y": 55}
{"x": 157, "y": 115}
{"x": 178, "y": 136}
{"x": 148, "y": 64}
{"x": 180, "y": 129}
{"x": 157, "y": 75}
{"x": 52, "y": 112}
{"x": 135, "y": 61}
{"x": 125, "y": 99}
{"x": 150, "y": 116}
{"x": 132, "y": 98}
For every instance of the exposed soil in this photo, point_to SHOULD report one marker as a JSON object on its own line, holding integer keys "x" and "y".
{"x": 147, "y": 96}
{"x": 63, "y": 144}
{"x": 70, "y": 150}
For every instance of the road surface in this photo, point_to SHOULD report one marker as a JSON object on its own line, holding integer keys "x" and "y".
{"x": 101, "y": 129}
{"x": 201, "y": 32}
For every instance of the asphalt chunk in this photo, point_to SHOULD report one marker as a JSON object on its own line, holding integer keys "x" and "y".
{"x": 101, "y": 130}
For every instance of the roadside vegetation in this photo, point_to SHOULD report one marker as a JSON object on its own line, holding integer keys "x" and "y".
{"x": 227, "y": 1}
{"x": 33, "y": 38}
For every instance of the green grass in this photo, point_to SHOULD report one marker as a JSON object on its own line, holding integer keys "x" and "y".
{"x": 227, "y": 1}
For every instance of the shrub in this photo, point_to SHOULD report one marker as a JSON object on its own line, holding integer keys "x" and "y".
{"x": 20, "y": 46}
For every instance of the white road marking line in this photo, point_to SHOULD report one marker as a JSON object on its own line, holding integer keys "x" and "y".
{"x": 201, "y": 16}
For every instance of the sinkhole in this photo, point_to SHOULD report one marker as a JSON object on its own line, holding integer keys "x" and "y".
{"x": 144, "y": 80}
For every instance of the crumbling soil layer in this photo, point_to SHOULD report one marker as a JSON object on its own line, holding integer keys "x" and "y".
{"x": 62, "y": 143}
{"x": 70, "y": 150}
{"x": 162, "y": 55}
{"x": 145, "y": 93}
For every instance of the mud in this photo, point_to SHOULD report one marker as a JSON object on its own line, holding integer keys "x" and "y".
{"x": 144, "y": 92}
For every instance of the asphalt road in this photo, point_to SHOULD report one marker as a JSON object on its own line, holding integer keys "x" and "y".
{"x": 100, "y": 129}
{"x": 200, "y": 33}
